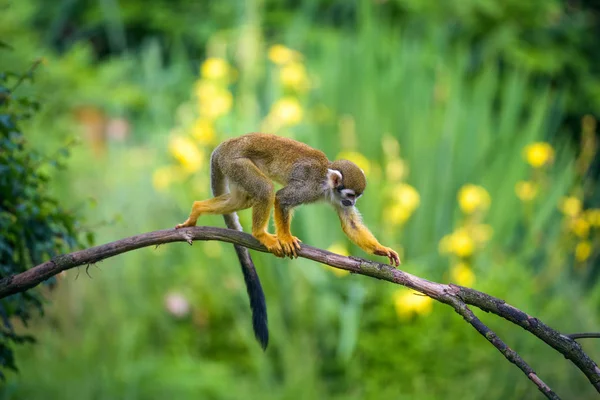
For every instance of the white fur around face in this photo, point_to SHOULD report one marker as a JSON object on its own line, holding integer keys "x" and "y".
{"x": 334, "y": 178}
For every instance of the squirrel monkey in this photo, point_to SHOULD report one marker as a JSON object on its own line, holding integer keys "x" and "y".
{"x": 247, "y": 166}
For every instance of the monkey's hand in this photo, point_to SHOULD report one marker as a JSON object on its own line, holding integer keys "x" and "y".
{"x": 389, "y": 253}
{"x": 290, "y": 244}
{"x": 271, "y": 243}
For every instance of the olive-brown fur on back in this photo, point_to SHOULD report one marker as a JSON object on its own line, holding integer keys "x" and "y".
{"x": 275, "y": 156}
{"x": 352, "y": 176}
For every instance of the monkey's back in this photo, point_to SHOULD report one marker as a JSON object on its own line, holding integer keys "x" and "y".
{"x": 277, "y": 157}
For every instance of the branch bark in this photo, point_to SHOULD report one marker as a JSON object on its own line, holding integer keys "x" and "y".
{"x": 457, "y": 297}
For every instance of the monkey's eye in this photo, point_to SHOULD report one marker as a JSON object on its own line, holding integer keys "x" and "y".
{"x": 350, "y": 195}
{"x": 340, "y": 188}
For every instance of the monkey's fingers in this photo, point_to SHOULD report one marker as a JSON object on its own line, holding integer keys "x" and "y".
{"x": 272, "y": 244}
{"x": 389, "y": 253}
{"x": 297, "y": 242}
{"x": 290, "y": 245}
{"x": 278, "y": 250}
{"x": 295, "y": 245}
{"x": 290, "y": 251}
{"x": 394, "y": 259}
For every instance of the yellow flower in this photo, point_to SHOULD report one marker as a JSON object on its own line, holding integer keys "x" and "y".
{"x": 281, "y": 55}
{"x": 583, "y": 250}
{"x": 215, "y": 68}
{"x": 526, "y": 190}
{"x": 580, "y": 227}
{"x": 357, "y": 158}
{"x": 539, "y": 154}
{"x": 214, "y": 100}
{"x": 206, "y": 90}
{"x": 458, "y": 242}
{"x": 287, "y": 111}
{"x": 407, "y": 196}
{"x": 163, "y": 177}
{"x": 472, "y": 198}
{"x": 203, "y": 131}
{"x": 406, "y": 202}
{"x": 408, "y": 303}
{"x": 341, "y": 249}
{"x": 462, "y": 243}
{"x": 570, "y": 206}
{"x": 186, "y": 152}
{"x": 294, "y": 76}
{"x": 462, "y": 274}
{"x": 593, "y": 217}
{"x": 397, "y": 214}
{"x": 218, "y": 105}
{"x": 396, "y": 170}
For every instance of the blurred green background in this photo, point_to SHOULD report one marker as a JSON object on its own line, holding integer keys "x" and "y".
{"x": 474, "y": 120}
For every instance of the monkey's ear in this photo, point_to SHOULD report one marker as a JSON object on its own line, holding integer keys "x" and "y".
{"x": 334, "y": 178}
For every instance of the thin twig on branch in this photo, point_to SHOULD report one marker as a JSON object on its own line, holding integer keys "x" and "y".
{"x": 584, "y": 335}
{"x": 457, "y": 297}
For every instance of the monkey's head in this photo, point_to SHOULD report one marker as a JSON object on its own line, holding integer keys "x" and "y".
{"x": 347, "y": 182}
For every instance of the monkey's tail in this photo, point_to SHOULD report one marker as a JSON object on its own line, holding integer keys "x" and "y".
{"x": 253, "y": 286}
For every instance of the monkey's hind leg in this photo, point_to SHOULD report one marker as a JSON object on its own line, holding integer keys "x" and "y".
{"x": 244, "y": 174}
{"x": 223, "y": 204}
{"x": 261, "y": 211}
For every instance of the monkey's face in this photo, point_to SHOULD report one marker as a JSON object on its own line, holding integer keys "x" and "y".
{"x": 347, "y": 197}
{"x": 345, "y": 187}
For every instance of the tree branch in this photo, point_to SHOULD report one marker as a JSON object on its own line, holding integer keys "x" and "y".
{"x": 509, "y": 353}
{"x": 457, "y": 297}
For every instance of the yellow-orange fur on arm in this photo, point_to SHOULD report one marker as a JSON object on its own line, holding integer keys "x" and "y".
{"x": 360, "y": 235}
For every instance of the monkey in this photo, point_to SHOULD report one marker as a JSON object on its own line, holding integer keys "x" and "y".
{"x": 242, "y": 172}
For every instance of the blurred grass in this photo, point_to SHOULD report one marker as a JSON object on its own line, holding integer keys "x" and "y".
{"x": 111, "y": 335}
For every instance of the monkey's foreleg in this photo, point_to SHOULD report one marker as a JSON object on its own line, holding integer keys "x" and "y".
{"x": 360, "y": 235}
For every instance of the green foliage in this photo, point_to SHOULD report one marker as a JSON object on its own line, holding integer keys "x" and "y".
{"x": 552, "y": 39}
{"x": 33, "y": 227}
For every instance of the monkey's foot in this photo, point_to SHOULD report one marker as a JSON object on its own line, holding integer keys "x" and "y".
{"x": 270, "y": 242}
{"x": 290, "y": 245}
{"x": 389, "y": 253}
{"x": 185, "y": 224}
